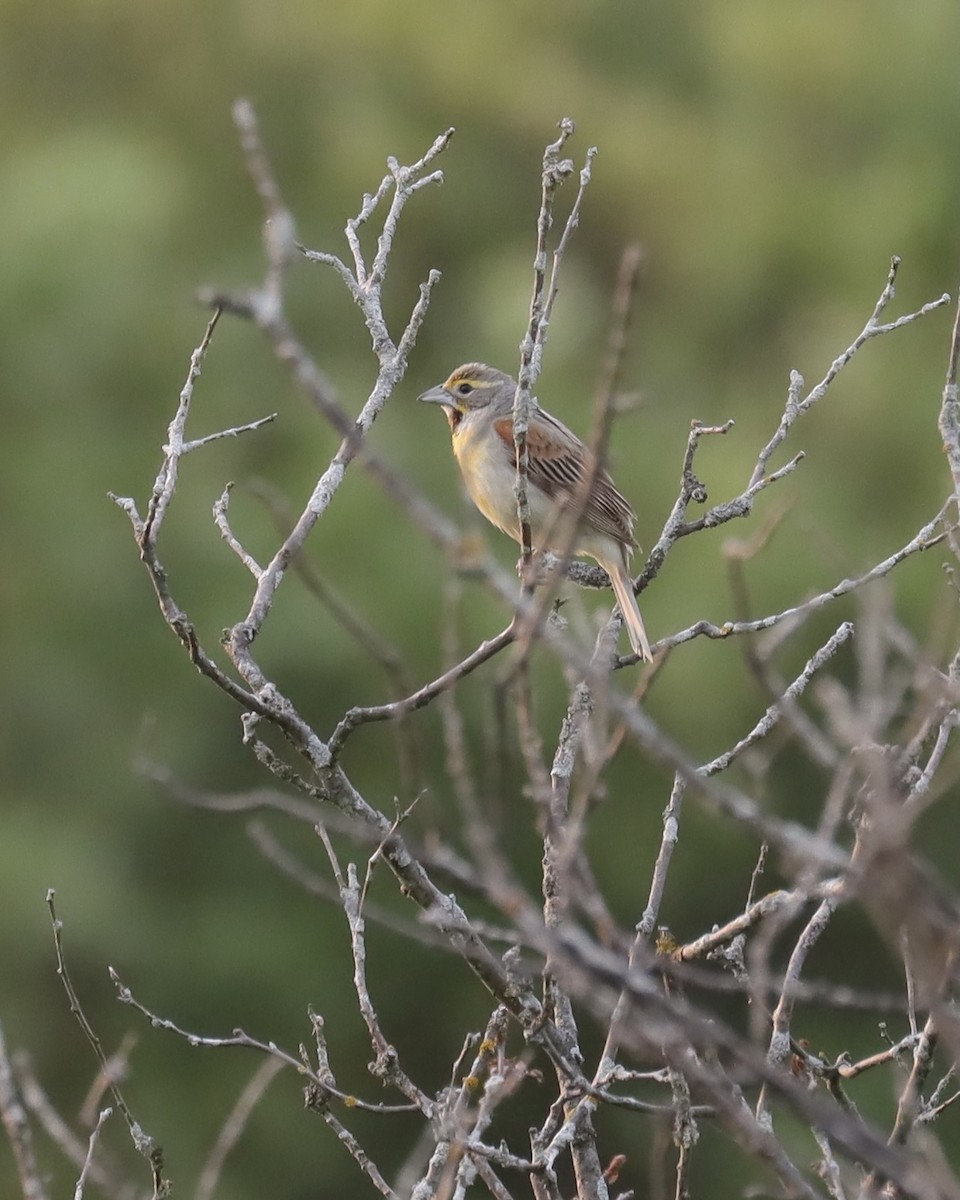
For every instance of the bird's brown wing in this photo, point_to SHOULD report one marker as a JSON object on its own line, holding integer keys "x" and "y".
{"x": 558, "y": 465}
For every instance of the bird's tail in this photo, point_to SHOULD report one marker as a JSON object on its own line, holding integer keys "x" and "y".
{"x": 623, "y": 589}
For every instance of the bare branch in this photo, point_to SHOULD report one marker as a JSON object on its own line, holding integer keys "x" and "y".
{"x": 234, "y": 1126}
{"x": 240, "y": 1038}
{"x": 555, "y": 171}
{"x": 220, "y": 517}
{"x": 18, "y": 1130}
{"x": 357, "y": 1153}
{"x": 422, "y": 696}
{"x": 950, "y": 408}
{"x": 143, "y": 1142}
{"x": 925, "y": 538}
{"x": 166, "y": 480}
{"x": 795, "y": 407}
{"x": 88, "y": 1161}
{"x": 235, "y": 431}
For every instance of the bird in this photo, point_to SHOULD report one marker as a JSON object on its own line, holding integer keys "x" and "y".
{"x": 478, "y": 403}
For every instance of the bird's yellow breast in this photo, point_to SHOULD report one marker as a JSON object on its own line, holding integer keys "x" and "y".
{"x": 488, "y": 475}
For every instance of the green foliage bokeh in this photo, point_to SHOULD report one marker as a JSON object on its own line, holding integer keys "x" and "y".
{"x": 769, "y": 157}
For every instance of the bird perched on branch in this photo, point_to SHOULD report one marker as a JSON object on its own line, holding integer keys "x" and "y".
{"x": 478, "y": 403}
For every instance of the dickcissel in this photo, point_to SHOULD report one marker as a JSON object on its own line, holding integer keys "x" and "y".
{"x": 478, "y": 403}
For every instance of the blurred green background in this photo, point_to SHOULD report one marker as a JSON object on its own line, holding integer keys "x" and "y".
{"x": 769, "y": 157}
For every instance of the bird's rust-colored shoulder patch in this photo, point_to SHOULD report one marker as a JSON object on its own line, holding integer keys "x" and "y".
{"x": 549, "y": 439}
{"x": 555, "y": 456}
{"x": 504, "y": 431}
{"x": 546, "y": 441}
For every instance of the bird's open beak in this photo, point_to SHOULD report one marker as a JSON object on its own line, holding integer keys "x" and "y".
{"x": 437, "y": 395}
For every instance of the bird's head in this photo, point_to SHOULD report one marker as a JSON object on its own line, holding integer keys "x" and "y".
{"x": 472, "y": 386}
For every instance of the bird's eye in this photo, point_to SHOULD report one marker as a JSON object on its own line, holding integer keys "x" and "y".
{"x": 464, "y": 388}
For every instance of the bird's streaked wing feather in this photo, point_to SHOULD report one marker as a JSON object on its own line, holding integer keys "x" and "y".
{"x": 558, "y": 464}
